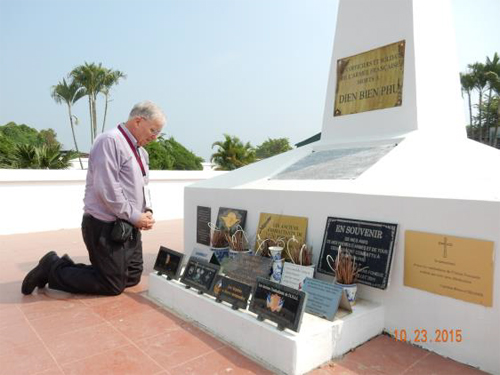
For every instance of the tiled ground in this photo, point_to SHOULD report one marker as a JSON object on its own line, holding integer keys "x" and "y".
{"x": 60, "y": 334}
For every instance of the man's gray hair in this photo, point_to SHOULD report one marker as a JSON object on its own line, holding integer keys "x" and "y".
{"x": 149, "y": 111}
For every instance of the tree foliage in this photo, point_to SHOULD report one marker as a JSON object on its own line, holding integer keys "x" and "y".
{"x": 272, "y": 147}
{"x": 170, "y": 154}
{"x": 24, "y": 147}
{"x": 95, "y": 79}
{"x": 483, "y": 79}
{"x": 232, "y": 153}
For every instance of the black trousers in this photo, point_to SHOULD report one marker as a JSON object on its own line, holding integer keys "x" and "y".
{"x": 113, "y": 266}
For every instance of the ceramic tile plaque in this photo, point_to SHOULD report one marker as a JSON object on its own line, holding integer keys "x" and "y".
{"x": 370, "y": 80}
{"x": 232, "y": 291}
{"x": 231, "y": 218}
{"x": 371, "y": 242}
{"x": 275, "y": 226}
{"x": 168, "y": 262}
{"x": 293, "y": 275}
{"x": 278, "y": 303}
{"x": 457, "y": 267}
{"x": 203, "y": 217}
{"x": 200, "y": 275}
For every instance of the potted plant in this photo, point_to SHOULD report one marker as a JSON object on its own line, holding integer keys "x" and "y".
{"x": 299, "y": 254}
{"x": 238, "y": 242}
{"x": 218, "y": 242}
{"x": 346, "y": 272}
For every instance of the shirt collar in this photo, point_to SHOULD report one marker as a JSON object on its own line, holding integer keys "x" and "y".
{"x": 132, "y": 138}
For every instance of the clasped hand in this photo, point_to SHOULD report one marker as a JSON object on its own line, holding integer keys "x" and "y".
{"x": 146, "y": 221}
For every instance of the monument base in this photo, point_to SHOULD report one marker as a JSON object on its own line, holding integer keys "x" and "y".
{"x": 285, "y": 352}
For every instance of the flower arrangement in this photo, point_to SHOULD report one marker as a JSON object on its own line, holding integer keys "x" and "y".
{"x": 218, "y": 237}
{"x": 345, "y": 267}
{"x": 238, "y": 241}
{"x": 263, "y": 245}
{"x": 297, "y": 253}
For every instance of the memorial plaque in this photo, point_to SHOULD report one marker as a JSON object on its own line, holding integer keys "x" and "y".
{"x": 371, "y": 242}
{"x": 456, "y": 267}
{"x": 206, "y": 254}
{"x": 203, "y": 217}
{"x": 278, "y": 303}
{"x": 246, "y": 268}
{"x": 293, "y": 275}
{"x": 230, "y": 218}
{"x": 370, "y": 80}
{"x": 232, "y": 291}
{"x": 200, "y": 275}
{"x": 275, "y": 226}
{"x": 168, "y": 262}
{"x": 324, "y": 299}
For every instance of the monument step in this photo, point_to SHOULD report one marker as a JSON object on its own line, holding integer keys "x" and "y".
{"x": 284, "y": 352}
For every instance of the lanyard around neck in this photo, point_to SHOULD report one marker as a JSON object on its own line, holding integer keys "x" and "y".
{"x": 134, "y": 150}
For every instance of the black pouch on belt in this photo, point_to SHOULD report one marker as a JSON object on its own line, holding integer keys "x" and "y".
{"x": 122, "y": 231}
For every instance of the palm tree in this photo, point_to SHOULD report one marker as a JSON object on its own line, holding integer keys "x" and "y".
{"x": 492, "y": 71}
{"x": 494, "y": 84}
{"x": 91, "y": 78}
{"x": 69, "y": 94}
{"x": 25, "y": 156}
{"x": 480, "y": 83}
{"x": 232, "y": 153}
{"x": 111, "y": 78}
{"x": 467, "y": 82}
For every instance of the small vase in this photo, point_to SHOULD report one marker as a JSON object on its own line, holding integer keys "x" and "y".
{"x": 275, "y": 252}
{"x": 277, "y": 270}
{"x": 351, "y": 290}
{"x": 220, "y": 252}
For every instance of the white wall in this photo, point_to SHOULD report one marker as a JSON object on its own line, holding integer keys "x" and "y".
{"x": 405, "y": 308}
{"x": 42, "y": 200}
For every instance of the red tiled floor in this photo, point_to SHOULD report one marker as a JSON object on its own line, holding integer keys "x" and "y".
{"x": 434, "y": 364}
{"x": 27, "y": 359}
{"x": 15, "y": 335}
{"x": 222, "y": 361}
{"x": 83, "y": 343}
{"x": 44, "y": 334}
{"x": 127, "y": 360}
{"x": 66, "y": 321}
{"x": 122, "y": 306}
{"x": 173, "y": 348}
{"x": 146, "y": 324}
{"x": 383, "y": 354}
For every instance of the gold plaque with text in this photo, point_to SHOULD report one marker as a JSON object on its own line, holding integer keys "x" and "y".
{"x": 456, "y": 267}
{"x": 274, "y": 226}
{"x": 370, "y": 80}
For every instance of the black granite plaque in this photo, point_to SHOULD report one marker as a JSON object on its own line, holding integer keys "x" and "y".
{"x": 230, "y": 218}
{"x": 278, "y": 303}
{"x": 246, "y": 268}
{"x": 200, "y": 275}
{"x": 371, "y": 242}
{"x": 232, "y": 291}
{"x": 203, "y": 217}
{"x": 168, "y": 262}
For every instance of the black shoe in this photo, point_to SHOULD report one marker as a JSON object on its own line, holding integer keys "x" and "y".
{"x": 39, "y": 276}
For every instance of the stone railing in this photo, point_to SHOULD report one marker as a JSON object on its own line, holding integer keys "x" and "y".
{"x": 43, "y": 200}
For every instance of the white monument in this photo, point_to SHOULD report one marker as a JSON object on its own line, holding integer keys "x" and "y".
{"x": 409, "y": 164}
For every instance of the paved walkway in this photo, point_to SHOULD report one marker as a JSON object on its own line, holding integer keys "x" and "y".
{"x": 127, "y": 334}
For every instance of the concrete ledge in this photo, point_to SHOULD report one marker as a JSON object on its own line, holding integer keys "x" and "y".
{"x": 285, "y": 352}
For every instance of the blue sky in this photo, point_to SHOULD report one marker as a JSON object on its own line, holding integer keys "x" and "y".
{"x": 250, "y": 68}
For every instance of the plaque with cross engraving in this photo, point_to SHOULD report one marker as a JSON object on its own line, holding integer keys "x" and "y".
{"x": 456, "y": 267}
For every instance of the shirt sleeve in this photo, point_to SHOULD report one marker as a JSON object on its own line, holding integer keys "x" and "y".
{"x": 107, "y": 164}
